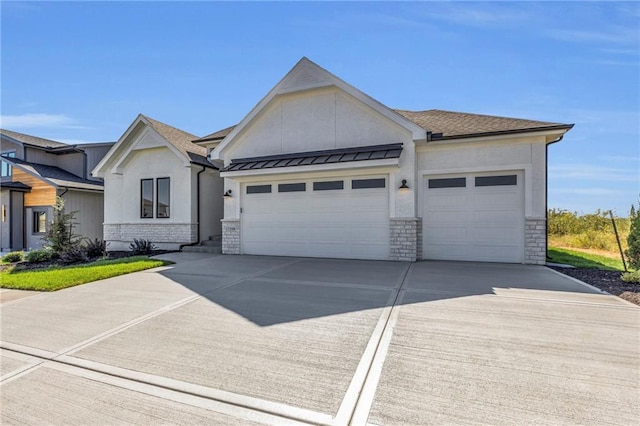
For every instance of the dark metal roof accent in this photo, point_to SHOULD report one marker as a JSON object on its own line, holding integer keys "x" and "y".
{"x": 57, "y": 175}
{"x": 15, "y": 186}
{"x": 200, "y": 160}
{"x": 342, "y": 155}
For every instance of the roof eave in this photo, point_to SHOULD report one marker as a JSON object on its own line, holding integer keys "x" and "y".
{"x": 565, "y": 127}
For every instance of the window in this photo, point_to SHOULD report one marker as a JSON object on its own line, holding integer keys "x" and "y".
{"x": 6, "y": 167}
{"x": 39, "y": 222}
{"x": 258, "y": 189}
{"x": 367, "y": 183}
{"x": 448, "y": 183}
{"x": 292, "y": 187}
{"x": 146, "y": 198}
{"x": 327, "y": 186}
{"x": 163, "y": 202}
{"x": 496, "y": 180}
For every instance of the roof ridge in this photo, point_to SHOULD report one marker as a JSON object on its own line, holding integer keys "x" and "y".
{"x": 154, "y": 121}
{"x": 16, "y": 135}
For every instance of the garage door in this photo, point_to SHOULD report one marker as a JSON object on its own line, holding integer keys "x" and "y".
{"x": 338, "y": 217}
{"x": 477, "y": 217}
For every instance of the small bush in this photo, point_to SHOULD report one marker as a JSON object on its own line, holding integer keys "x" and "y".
{"x": 142, "y": 246}
{"x": 74, "y": 255}
{"x": 593, "y": 239}
{"x": 40, "y": 256}
{"x": 633, "y": 240}
{"x": 96, "y": 248}
{"x": 631, "y": 277}
{"x": 14, "y": 256}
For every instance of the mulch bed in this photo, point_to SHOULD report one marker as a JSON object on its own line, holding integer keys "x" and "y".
{"x": 25, "y": 266}
{"x": 608, "y": 281}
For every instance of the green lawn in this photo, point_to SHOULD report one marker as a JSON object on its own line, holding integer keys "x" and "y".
{"x": 584, "y": 260}
{"x": 56, "y": 278}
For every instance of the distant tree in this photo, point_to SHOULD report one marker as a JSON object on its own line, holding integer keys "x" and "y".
{"x": 633, "y": 240}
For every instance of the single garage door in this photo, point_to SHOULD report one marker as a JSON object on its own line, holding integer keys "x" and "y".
{"x": 476, "y": 217}
{"x": 340, "y": 217}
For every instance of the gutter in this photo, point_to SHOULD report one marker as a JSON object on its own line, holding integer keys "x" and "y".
{"x": 546, "y": 194}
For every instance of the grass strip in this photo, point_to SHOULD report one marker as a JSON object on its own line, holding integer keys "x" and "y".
{"x": 57, "y": 278}
{"x": 584, "y": 260}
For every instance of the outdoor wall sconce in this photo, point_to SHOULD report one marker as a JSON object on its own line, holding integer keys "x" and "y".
{"x": 228, "y": 193}
{"x": 404, "y": 184}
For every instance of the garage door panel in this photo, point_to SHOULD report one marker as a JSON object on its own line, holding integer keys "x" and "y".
{"x": 483, "y": 223}
{"x": 350, "y": 223}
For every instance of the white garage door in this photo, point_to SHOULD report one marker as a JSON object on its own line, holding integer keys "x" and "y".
{"x": 478, "y": 217}
{"x": 338, "y": 217}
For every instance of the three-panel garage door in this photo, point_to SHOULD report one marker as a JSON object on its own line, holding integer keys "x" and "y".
{"x": 340, "y": 217}
{"x": 477, "y": 217}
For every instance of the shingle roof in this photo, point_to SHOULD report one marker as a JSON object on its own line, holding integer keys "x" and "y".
{"x": 220, "y": 134}
{"x": 376, "y": 152}
{"x": 181, "y": 140}
{"x": 56, "y": 175}
{"x": 451, "y": 124}
{"x": 32, "y": 140}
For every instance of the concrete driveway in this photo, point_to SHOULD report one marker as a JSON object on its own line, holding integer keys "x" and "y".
{"x": 272, "y": 340}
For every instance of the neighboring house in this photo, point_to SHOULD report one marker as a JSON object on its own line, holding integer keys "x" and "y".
{"x": 34, "y": 172}
{"x": 318, "y": 168}
{"x": 159, "y": 186}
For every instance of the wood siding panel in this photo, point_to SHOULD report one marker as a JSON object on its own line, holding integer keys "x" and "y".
{"x": 42, "y": 193}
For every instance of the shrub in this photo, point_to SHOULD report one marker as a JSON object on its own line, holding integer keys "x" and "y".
{"x": 39, "y": 256}
{"x": 96, "y": 248}
{"x": 74, "y": 255}
{"x": 631, "y": 277}
{"x": 60, "y": 236}
{"x": 14, "y": 256}
{"x": 633, "y": 240}
{"x": 142, "y": 246}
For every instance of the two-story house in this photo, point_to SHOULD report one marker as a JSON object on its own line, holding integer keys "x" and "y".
{"x": 34, "y": 172}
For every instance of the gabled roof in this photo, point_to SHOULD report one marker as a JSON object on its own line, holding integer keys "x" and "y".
{"x": 341, "y": 155}
{"x": 32, "y": 140}
{"x": 449, "y": 124}
{"x": 307, "y": 75}
{"x": 178, "y": 138}
{"x": 55, "y": 175}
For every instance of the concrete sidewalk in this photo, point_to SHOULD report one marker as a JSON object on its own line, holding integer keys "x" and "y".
{"x": 244, "y": 339}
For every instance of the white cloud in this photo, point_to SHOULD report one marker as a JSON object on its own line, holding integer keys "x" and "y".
{"x": 592, "y": 172}
{"x": 35, "y": 120}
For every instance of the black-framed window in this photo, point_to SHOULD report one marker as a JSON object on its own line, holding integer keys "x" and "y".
{"x": 328, "y": 186}
{"x": 368, "y": 183}
{"x": 497, "y": 180}
{"x": 39, "y": 221}
{"x": 258, "y": 189}
{"x": 7, "y": 169}
{"x": 163, "y": 200}
{"x": 448, "y": 183}
{"x": 146, "y": 198}
{"x": 292, "y": 187}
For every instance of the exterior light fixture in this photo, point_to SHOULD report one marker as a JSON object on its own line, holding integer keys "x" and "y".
{"x": 228, "y": 193}
{"x": 404, "y": 184}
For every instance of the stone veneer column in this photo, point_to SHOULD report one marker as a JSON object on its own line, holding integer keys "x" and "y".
{"x": 406, "y": 239}
{"x": 535, "y": 241}
{"x": 230, "y": 236}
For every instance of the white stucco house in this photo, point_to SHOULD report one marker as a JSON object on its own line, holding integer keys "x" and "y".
{"x": 318, "y": 168}
{"x": 159, "y": 186}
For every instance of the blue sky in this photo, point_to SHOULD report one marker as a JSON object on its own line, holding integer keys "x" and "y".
{"x": 82, "y": 71}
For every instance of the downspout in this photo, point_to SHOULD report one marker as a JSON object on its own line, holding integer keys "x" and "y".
{"x": 197, "y": 210}
{"x": 546, "y": 194}
{"x": 84, "y": 164}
